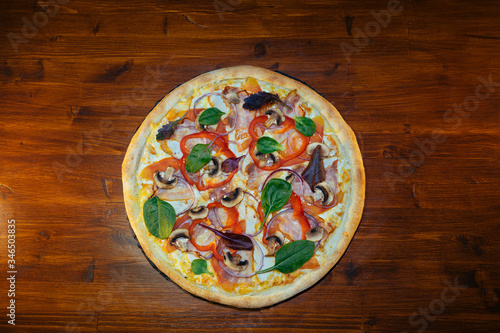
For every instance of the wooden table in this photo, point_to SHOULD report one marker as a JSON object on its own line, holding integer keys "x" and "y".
{"x": 411, "y": 79}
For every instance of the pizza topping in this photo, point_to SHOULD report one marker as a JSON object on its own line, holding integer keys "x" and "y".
{"x": 214, "y": 167}
{"x": 167, "y": 181}
{"x": 199, "y": 212}
{"x": 325, "y": 151}
{"x": 292, "y": 256}
{"x": 233, "y": 98}
{"x": 232, "y": 240}
{"x": 298, "y": 213}
{"x": 274, "y": 242}
{"x": 210, "y": 116}
{"x": 198, "y": 157}
{"x": 315, "y": 234}
{"x": 199, "y": 266}
{"x": 285, "y": 130}
{"x": 236, "y": 263}
{"x": 231, "y": 164}
{"x": 266, "y": 160}
{"x": 179, "y": 238}
{"x": 267, "y": 145}
{"x": 323, "y": 192}
{"x": 275, "y": 117}
{"x": 274, "y": 196}
{"x": 159, "y": 217}
{"x": 305, "y": 126}
{"x": 166, "y": 131}
{"x": 233, "y": 198}
{"x": 314, "y": 173}
{"x": 261, "y": 99}
{"x": 194, "y": 160}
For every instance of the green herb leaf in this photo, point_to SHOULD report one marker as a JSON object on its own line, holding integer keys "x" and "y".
{"x": 267, "y": 145}
{"x": 159, "y": 217}
{"x": 274, "y": 196}
{"x": 292, "y": 256}
{"x": 199, "y": 266}
{"x": 305, "y": 125}
{"x": 166, "y": 131}
{"x": 198, "y": 157}
{"x": 210, "y": 116}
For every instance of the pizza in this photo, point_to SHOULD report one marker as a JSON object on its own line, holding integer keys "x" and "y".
{"x": 244, "y": 186}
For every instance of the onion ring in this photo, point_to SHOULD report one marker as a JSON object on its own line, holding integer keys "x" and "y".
{"x": 201, "y": 97}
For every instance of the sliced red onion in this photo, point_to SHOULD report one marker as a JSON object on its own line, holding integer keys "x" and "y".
{"x": 296, "y": 174}
{"x": 203, "y": 96}
{"x": 213, "y": 218}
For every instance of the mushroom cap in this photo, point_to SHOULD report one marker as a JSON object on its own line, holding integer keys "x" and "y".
{"x": 274, "y": 242}
{"x": 233, "y": 98}
{"x": 167, "y": 181}
{"x": 275, "y": 116}
{"x": 179, "y": 238}
{"x": 325, "y": 151}
{"x": 232, "y": 198}
{"x": 235, "y": 262}
{"x": 215, "y": 166}
{"x": 265, "y": 158}
{"x": 199, "y": 212}
{"x": 326, "y": 192}
{"x": 315, "y": 234}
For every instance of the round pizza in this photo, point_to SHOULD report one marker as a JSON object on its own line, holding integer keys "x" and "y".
{"x": 244, "y": 186}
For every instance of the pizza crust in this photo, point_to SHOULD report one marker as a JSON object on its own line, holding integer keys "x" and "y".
{"x": 336, "y": 243}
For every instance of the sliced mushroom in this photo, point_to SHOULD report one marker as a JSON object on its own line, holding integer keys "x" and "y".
{"x": 290, "y": 177}
{"x": 214, "y": 167}
{"x": 199, "y": 212}
{"x": 323, "y": 192}
{"x": 315, "y": 234}
{"x": 274, "y": 242}
{"x": 324, "y": 149}
{"x": 179, "y": 239}
{"x": 275, "y": 116}
{"x": 199, "y": 126}
{"x": 264, "y": 159}
{"x": 167, "y": 181}
{"x": 235, "y": 262}
{"x": 233, "y": 98}
{"x": 233, "y": 198}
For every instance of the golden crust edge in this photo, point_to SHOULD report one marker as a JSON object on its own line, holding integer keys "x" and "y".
{"x": 353, "y": 209}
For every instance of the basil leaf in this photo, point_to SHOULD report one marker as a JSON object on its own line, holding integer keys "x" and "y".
{"x": 199, "y": 266}
{"x": 267, "y": 145}
{"x": 292, "y": 256}
{"x": 198, "y": 157}
{"x": 210, "y": 116}
{"x": 305, "y": 125}
{"x": 274, "y": 196}
{"x": 166, "y": 131}
{"x": 159, "y": 217}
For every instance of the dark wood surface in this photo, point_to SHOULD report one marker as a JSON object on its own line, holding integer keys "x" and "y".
{"x": 76, "y": 90}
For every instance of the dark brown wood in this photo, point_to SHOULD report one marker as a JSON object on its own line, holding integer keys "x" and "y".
{"x": 76, "y": 90}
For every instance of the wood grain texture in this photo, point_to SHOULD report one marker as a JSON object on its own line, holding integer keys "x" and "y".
{"x": 76, "y": 90}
